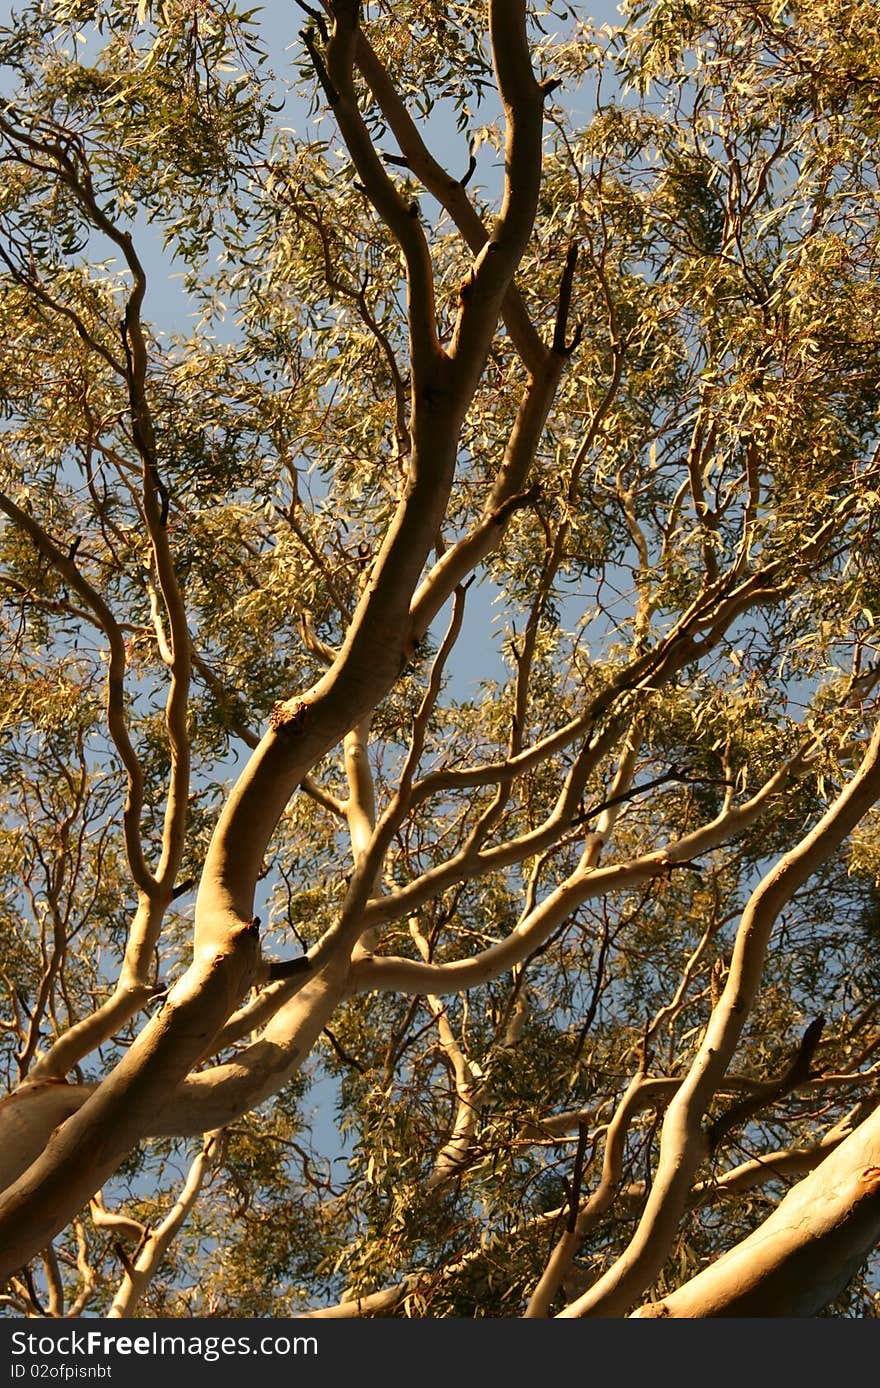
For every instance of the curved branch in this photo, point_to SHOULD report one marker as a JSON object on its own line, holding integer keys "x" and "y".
{"x": 81, "y": 1155}
{"x": 805, "y": 1252}
{"x": 139, "y": 1275}
{"x": 683, "y": 1144}
{"x": 587, "y": 882}
{"x": 522, "y": 99}
{"x": 116, "y": 666}
{"x": 401, "y": 220}
{"x": 449, "y": 192}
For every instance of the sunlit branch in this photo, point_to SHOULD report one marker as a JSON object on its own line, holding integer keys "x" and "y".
{"x": 449, "y": 192}
{"x": 456, "y": 1151}
{"x": 683, "y": 1145}
{"x": 582, "y": 1217}
{"x": 402, "y": 220}
{"x": 803, "y": 1254}
{"x": 354, "y": 1307}
{"x": 585, "y": 883}
{"x": 87, "y": 1274}
{"x": 522, "y": 99}
{"x": 147, "y": 1260}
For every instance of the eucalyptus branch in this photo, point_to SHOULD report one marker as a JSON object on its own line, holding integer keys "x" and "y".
{"x": 117, "y": 722}
{"x": 683, "y": 1144}
{"x": 402, "y": 220}
{"x": 450, "y": 193}
{"x": 154, "y": 1248}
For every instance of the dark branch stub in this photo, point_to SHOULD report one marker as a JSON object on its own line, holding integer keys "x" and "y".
{"x": 798, "y": 1072}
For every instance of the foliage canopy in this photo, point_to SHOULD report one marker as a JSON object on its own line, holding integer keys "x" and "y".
{"x": 444, "y": 674}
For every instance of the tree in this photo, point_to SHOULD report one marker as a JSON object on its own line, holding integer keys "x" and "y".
{"x": 583, "y": 935}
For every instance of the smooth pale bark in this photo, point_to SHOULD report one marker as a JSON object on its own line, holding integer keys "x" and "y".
{"x": 592, "y": 1210}
{"x": 85, "y": 1151}
{"x": 132, "y": 992}
{"x": 454, "y": 1154}
{"x": 463, "y": 558}
{"x": 791, "y": 1161}
{"x": 198, "y": 1103}
{"x": 450, "y": 193}
{"x": 804, "y": 1254}
{"x": 380, "y": 638}
{"x": 27, "y": 1117}
{"x": 374, "y": 1303}
{"x": 683, "y": 1143}
{"x": 120, "y": 1225}
{"x": 160, "y": 1081}
{"x": 138, "y": 1276}
{"x": 215, "y": 1097}
{"x": 713, "y": 612}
